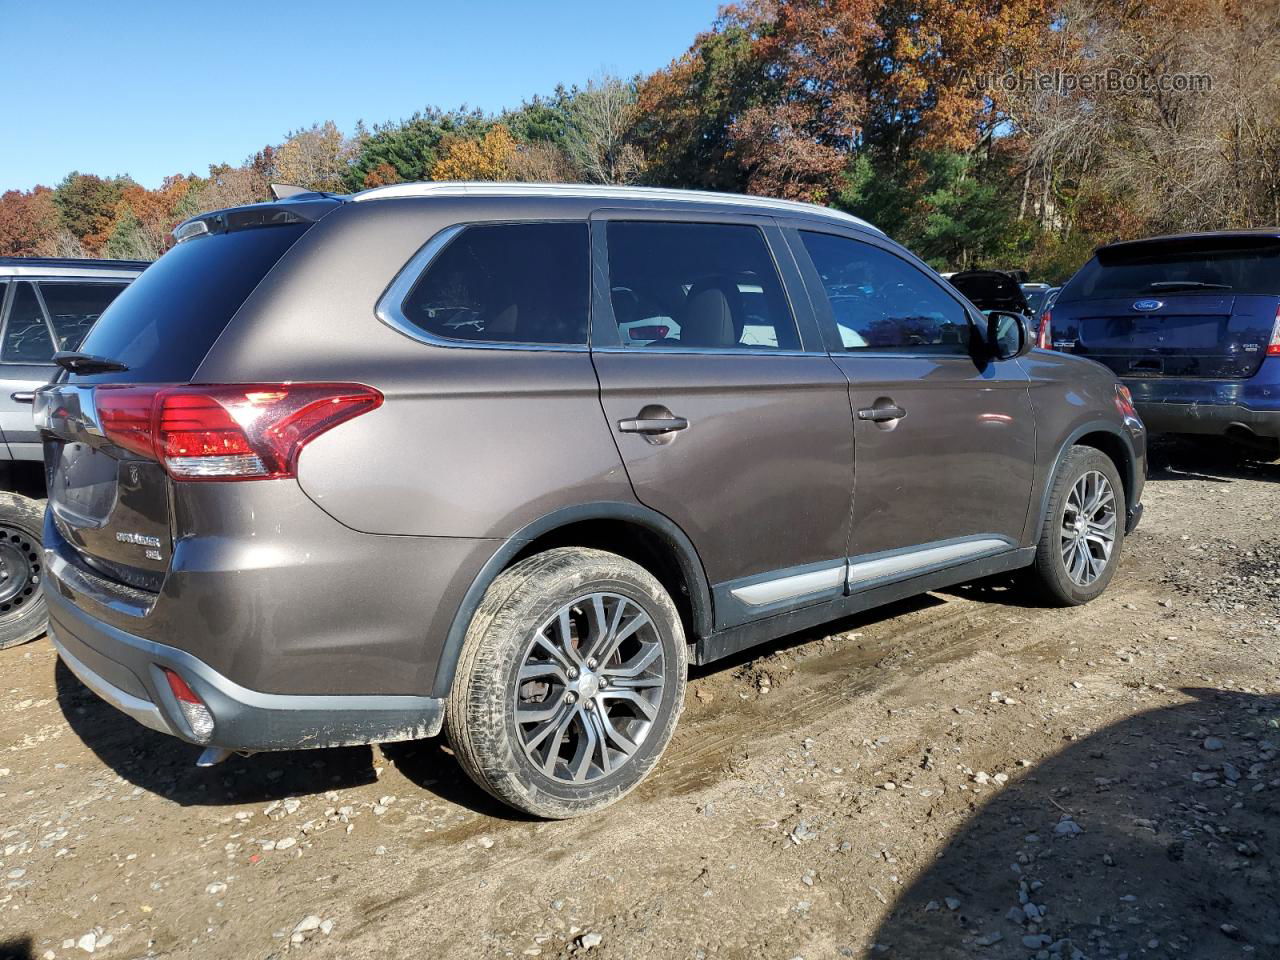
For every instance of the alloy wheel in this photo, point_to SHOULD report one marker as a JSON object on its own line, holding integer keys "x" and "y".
{"x": 1088, "y": 532}
{"x": 589, "y": 688}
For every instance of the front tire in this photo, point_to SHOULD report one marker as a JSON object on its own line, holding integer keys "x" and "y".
{"x": 23, "y": 613}
{"x": 1083, "y": 529}
{"x": 570, "y": 682}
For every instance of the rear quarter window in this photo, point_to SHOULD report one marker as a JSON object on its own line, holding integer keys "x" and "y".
{"x": 510, "y": 283}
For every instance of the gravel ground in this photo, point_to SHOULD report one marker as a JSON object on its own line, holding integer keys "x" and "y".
{"x": 955, "y": 776}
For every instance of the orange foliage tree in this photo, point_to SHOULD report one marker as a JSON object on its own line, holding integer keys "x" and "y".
{"x": 487, "y": 158}
{"x": 28, "y": 223}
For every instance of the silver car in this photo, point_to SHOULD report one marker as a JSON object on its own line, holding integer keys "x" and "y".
{"x": 46, "y": 305}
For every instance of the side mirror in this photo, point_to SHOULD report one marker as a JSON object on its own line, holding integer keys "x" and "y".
{"x": 1008, "y": 335}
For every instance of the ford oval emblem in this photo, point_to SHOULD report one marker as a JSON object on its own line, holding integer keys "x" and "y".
{"x": 1148, "y": 306}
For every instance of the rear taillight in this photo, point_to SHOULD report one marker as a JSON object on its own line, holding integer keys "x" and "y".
{"x": 197, "y": 715}
{"x": 231, "y": 432}
{"x": 1044, "y": 339}
{"x": 1273, "y": 348}
{"x": 1124, "y": 403}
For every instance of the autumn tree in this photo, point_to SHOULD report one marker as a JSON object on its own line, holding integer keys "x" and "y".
{"x": 145, "y": 218}
{"x": 484, "y": 158}
{"x": 28, "y": 223}
{"x": 542, "y": 162}
{"x": 227, "y": 186}
{"x": 685, "y": 113}
{"x": 87, "y": 207}
{"x": 317, "y": 158}
{"x": 409, "y": 148}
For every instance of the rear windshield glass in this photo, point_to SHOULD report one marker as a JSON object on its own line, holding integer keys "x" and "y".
{"x": 164, "y": 323}
{"x": 990, "y": 291}
{"x": 1156, "y": 270}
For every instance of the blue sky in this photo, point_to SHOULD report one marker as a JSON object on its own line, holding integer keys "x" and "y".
{"x": 152, "y": 88}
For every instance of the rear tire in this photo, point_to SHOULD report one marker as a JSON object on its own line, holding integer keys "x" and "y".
{"x": 1083, "y": 530}
{"x": 23, "y": 613}
{"x": 549, "y": 711}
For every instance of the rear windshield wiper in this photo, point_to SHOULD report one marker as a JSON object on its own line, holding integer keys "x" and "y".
{"x": 74, "y": 362}
{"x": 1187, "y": 285}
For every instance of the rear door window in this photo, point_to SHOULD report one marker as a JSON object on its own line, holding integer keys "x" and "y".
{"x": 511, "y": 283}
{"x": 75, "y": 307}
{"x": 26, "y": 335}
{"x": 882, "y": 303}
{"x": 701, "y": 286}
{"x": 164, "y": 323}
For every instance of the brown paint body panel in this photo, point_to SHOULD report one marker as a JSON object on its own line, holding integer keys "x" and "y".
{"x": 762, "y": 477}
{"x": 959, "y": 463}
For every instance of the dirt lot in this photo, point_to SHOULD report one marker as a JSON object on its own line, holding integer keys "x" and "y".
{"x": 958, "y": 776}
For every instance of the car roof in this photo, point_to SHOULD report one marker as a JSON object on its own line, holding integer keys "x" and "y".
{"x": 618, "y": 194}
{"x": 1190, "y": 239}
{"x": 70, "y": 267}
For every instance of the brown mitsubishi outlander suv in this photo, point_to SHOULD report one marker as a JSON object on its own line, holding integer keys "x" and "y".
{"x": 503, "y": 459}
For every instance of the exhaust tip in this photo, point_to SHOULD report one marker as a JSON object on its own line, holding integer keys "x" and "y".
{"x": 212, "y": 756}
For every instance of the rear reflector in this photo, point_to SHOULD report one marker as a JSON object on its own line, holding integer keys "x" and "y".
{"x": 1273, "y": 348}
{"x": 197, "y": 715}
{"x": 232, "y": 432}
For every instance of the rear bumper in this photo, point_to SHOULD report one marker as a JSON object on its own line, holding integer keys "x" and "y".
{"x": 126, "y": 671}
{"x": 1207, "y": 417}
{"x": 1216, "y": 407}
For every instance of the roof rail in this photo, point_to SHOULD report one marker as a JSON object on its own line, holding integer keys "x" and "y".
{"x": 460, "y": 188}
{"x": 84, "y": 263}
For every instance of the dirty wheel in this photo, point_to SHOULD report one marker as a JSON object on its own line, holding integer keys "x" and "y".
{"x": 1083, "y": 530}
{"x": 570, "y": 682}
{"x": 23, "y": 613}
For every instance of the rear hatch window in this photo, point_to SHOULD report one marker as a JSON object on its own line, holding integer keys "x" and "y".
{"x": 165, "y": 322}
{"x": 109, "y": 504}
{"x": 1185, "y": 307}
{"x": 989, "y": 290}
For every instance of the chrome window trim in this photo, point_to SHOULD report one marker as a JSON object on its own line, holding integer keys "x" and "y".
{"x": 459, "y": 188}
{"x": 390, "y": 306}
{"x": 706, "y": 351}
{"x": 690, "y": 218}
{"x": 791, "y": 587}
{"x": 88, "y": 274}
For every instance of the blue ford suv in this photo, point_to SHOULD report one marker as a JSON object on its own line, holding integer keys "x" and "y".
{"x": 1191, "y": 324}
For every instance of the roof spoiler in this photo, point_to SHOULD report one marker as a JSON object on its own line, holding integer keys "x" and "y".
{"x": 279, "y": 191}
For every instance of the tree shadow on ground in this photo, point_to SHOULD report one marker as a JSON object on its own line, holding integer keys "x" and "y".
{"x": 1155, "y": 837}
{"x": 17, "y": 949}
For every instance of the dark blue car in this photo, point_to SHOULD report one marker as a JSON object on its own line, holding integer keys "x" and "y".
{"x": 1191, "y": 324}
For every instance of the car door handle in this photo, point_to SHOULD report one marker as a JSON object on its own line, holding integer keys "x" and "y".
{"x": 655, "y": 426}
{"x": 23, "y": 396}
{"x": 882, "y": 414}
